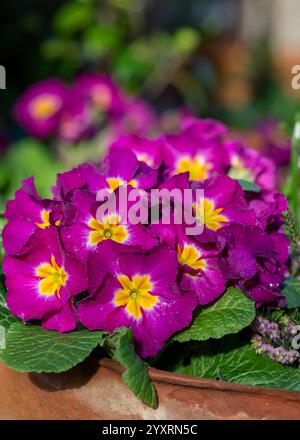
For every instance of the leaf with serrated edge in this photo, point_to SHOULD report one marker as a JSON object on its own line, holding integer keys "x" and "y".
{"x": 6, "y": 318}
{"x": 230, "y": 314}
{"x": 136, "y": 376}
{"x": 30, "y": 348}
{"x": 228, "y": 360}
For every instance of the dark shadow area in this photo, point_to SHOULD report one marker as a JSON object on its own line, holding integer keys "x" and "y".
{"x": 74, "y": 378}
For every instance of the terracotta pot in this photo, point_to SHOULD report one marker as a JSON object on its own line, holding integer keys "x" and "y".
{"x": 93, "y": 391}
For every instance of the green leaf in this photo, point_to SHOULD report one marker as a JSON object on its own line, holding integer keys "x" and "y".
{"x": 100, "y": 40}
{"x": 291, "y": 291}
{"x": 30, "y": 348}
{"x": 231, "y": 361}
{"x": 230, "y": 314}
{"x": 72, "y": 17}
{"x": 136, "y": 377}
{"x": 249, "y": 186}
{"x": 186, "y": 40}
{"x": 6, "y": 318}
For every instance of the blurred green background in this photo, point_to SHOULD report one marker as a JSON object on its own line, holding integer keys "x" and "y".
{"x": 170, "y": 52}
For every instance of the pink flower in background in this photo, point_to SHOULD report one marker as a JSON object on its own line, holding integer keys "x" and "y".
{"x": 137, "y": 118}
{"x": 38, "y": 110}
{"x": 208, "y": 129}
{"x": 75, "y": 121}
{"x": 50, "y": 108}
{"x": 101, "y": 92}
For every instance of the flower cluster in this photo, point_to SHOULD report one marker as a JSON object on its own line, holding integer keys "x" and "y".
{"x": 279, "y": 354}
{"x": 268, "y": 329}
{"x": 274, "y": 339}
{"x": 71, "y": 113}
{"x": 150, "y": 277}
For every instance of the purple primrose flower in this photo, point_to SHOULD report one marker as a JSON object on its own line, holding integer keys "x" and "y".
{"x": 38, "y": 110}
{"x": 140, "y": 292}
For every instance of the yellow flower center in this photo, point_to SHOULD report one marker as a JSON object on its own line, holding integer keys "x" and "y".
{"x": 197, "y": 167}
{"x": 239, "y": 171}
{"x": 208, "y": 216}
{"x": 45, "y": 217}
{"x": 108, "y": 229}
{"x": 53, "y": 277}
{"x": 191, "y": 257}
{"x": 135, "y": 294}
{"x": 115, "y": 182}
{"x": 44, "y": 106}
{"x": 101, "y": 96}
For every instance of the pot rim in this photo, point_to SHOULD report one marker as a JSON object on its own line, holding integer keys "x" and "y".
{"x": 162, "y": 376}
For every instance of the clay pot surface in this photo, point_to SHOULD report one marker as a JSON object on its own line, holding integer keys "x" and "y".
{"x": 96, "y": 391}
